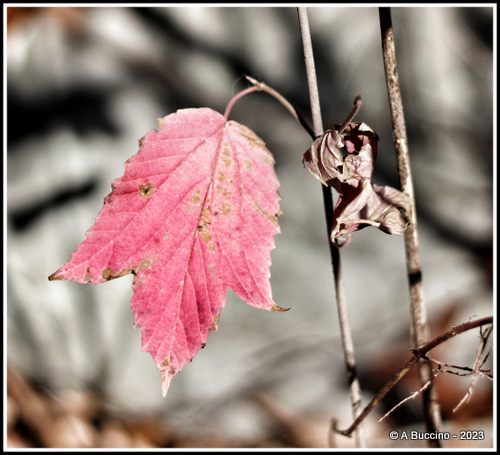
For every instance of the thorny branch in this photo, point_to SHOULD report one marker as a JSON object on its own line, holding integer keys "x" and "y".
{"x": 418, "y": 354}
{"x": 419, "y": 325}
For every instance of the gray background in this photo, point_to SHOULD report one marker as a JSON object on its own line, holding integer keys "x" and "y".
{"x": 82, "y": 88}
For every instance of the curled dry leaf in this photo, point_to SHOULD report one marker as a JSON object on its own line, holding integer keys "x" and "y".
{"x": 345, "y": 161}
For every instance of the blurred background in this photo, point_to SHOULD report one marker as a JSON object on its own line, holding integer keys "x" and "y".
{"x": 84, "y": 84}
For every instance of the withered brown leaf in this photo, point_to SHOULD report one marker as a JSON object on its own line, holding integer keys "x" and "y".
{"x": 345, "y": 160}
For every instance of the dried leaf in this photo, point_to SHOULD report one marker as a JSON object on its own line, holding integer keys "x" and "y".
{"x": 345, "y": 161}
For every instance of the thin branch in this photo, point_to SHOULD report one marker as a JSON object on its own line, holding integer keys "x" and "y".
{"x": 455, "y": 330}
{"x": 352, "y": 114}
{"x": 419, "y": 324}
{"x": 478, "y": 363}
{"x": 417, "y": 355}
{"x": 476, "y": 369}
{"x": 310, "y": 71}
{"x": 413, "y": 395}
{"x": 265, "y": 88}
{"x": 483, "y": 372}
{"x": 348, "y": 346}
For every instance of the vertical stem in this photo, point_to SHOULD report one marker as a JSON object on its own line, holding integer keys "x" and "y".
{"x": 348, "y": 346}
{"x": 419, "y": 325}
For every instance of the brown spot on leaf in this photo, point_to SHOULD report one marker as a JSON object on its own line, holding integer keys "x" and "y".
{"x": 215, "y": 323}
{"x": 203, "y": 224}
{"x": 146, "y": 191}
{"x": 141, "y": 142}
{"x": 165, "y": 362}
{"x": 272, "y": 218}
{"x": 226, "y": 208}
{"x": 224, "y": 192}
{"x": 204, "y": 233}
{"x": 268, "y": 158}
{"x": 108, "y": 274}
{"x": 248, "y": 164}
{"x": 161, "y": 123}
{"x": 196, "y": 198}
{"x": 226, "y": 154}
{"x": 134, "y": 270}
{"x": 254, "y": 140}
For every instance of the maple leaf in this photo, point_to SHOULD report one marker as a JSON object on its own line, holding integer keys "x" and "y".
{"x": 344, "y": 159}
{"x": 194, "y": 214}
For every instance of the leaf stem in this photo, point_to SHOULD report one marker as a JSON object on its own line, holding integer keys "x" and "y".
{"x": 352, "y": 114}
{"x": 419, "y": 324}
{"x": 348, "y": 346}
{"x": 265, "y": 88}
{"x": 236, "y": 98}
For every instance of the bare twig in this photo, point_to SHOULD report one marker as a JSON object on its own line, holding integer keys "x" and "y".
{"x": 417, "y": 355}
{"x": 310, "y": 71}
{"x": 476, "y": 369}
{"x": 483, "y": 372}
{"x": 265, "y": 88}
{"x": 352, "y": 114}
{"x": 347, "y": 342}
{"x": 478, "y": 363}
{"x": 413, "y": 395}
{"x": 419, "y": 324}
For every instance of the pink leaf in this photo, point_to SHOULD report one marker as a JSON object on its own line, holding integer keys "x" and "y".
{"x": 194, "y": 214}
{"x": 361, "y": 203}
